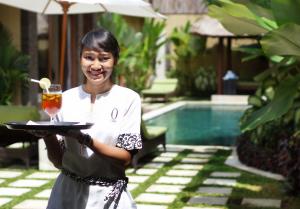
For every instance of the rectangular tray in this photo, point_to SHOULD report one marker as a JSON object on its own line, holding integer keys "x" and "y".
{"x": 45, "y": 125}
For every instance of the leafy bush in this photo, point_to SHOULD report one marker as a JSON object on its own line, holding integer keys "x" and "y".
{"x": 206, "y": 81}
{"x": 138, "y": 48}
{"x": 187, "y": 48}
{"x": 13, "y": 67}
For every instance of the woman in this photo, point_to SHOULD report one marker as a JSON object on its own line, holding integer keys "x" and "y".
{"x": 93, "y": 161}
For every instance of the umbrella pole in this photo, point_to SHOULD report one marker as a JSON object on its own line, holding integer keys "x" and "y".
{"x": 65, "y": 7}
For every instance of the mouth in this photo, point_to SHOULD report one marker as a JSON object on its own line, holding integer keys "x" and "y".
{"x": 96, "y": 74}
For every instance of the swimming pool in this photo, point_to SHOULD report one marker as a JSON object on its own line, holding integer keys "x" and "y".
{"x": 201, "y": 124}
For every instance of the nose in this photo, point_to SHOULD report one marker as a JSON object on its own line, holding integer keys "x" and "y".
{"x": 97, "y": 64}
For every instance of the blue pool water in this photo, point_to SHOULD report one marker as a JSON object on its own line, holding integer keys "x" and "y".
{"x": 201, "y": 125}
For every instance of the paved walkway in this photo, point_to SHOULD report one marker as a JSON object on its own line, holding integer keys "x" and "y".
{"x": 170, "y": 173}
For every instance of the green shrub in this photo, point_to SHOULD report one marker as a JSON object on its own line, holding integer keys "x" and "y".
{"x": 13, "y": 67}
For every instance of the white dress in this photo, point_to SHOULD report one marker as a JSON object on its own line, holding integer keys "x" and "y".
{"x": 116, "y": 115}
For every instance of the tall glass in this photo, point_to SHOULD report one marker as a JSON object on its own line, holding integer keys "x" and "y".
{"x": 51, "y": 100}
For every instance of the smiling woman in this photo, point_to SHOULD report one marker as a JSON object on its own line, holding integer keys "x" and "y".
{"x": 93, "y": 163}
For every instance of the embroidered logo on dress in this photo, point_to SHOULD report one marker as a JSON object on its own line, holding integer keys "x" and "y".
{"x": 114, "y": 114}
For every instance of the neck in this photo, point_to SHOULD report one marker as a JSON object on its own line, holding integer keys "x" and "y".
{"x": 97, "y": 89}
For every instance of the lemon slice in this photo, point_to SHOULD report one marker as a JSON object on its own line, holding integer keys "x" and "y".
{"x": 45, "y": 83}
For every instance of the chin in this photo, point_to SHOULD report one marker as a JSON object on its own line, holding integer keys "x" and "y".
{"x": 97, "y": 80}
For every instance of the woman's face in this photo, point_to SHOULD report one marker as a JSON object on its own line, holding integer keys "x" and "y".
{"x": 97, "y": 66}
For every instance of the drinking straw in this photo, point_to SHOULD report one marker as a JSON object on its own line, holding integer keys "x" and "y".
{"x": 38, "y": 81}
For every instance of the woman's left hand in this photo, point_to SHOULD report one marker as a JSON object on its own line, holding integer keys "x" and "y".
{"x": 77, "y": 134}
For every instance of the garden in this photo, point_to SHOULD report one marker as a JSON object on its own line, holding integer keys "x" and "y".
{"x": 270, "y": 127}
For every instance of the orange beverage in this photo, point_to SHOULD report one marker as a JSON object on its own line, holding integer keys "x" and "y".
{"x": 51, "y": 103}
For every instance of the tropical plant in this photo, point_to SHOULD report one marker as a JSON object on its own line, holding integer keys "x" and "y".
{"x": 138, "y": 48}
{"x": 278, "y": 24}
{"x": 187, "y": 49}
{"x": 273, "y": 121}
{"x": 205, "y": 80}
{"x": 13, "y": 67}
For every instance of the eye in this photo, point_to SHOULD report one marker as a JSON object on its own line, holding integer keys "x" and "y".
{"x": 104, "y": 58}
{"x": 89, "y": 57}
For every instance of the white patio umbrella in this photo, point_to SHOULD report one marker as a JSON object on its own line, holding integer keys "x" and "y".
{"x": 138, "y": 8}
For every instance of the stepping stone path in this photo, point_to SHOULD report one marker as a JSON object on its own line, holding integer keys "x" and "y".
{"x": 4, "y": 200}
{"x": 188, "y": 167}
{"x": 168, "y": 154}
{"x": 28, "y": 183}
{"x": 44, "y": 194}
{"x": 9, "y": 174}
{"x": 143, "y": 206}
{"x": 137, "y": 179}
{"x": 185, "y": 173}
{"x": 214, "y": 192}
{"x": 146, "y": 171}
{"x": 155, "y": 198}
{"x": 43, "y": 175}
{"x": 173, "y": 180}
{"x": 132, "y": 186}
{"x": 163, "y": 159}
{"x": 32, "y": 204}
{"x": 11, "y": 191}
{"x": 161, "y": 188}
{"x": 194, "y": 160}
{"x": 257, "y": 202}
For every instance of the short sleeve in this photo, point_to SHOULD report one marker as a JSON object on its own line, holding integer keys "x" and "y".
{"x": 129, "y": 137}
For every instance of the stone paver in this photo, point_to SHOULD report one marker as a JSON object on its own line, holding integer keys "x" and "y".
{"x": 261, "y": 202}
{"x": 43, "y": 175}
{"x": 174, "y": 172}
{"x": 173, "y": 149}
{"x": 154, "y": 165}
{"x": 131, "y": 186}
{"x": 205, "y": 150}
{"x": 28, "y": 183}
{"x": 32, "y": 204}
{"x": 208, "y": 200}
{"x": 163, "y": 159}
{"x": 143, "y": 206}
{"x": 194, "y": 160}
{"x": 188, "y": 166}
{"x": 5, "y": 200}
{"x": 199, "y": 155}
{"x": 44, "y": 194}
{"x": 9, "y": 174}
{"x": 129, "y": 170}
{"x": 137, "y": 179}
{"x": 173, "y": 180}
{"x": 161, "y": 188}
{"x": 222, "y": 182}
{"x": 168, "y": 154}
{"x": 156, "y": 198}
{"x": 10, "y": 191}
{"x": 146, "y": 171}
{"x": 225, "y": 174}
{"x": 215, "y": 190}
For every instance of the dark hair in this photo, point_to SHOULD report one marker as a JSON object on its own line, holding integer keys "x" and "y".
{"x": 101, "y": 39}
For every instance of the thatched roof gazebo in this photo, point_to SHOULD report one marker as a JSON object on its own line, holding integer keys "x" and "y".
{"x": 210, "y": 27}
